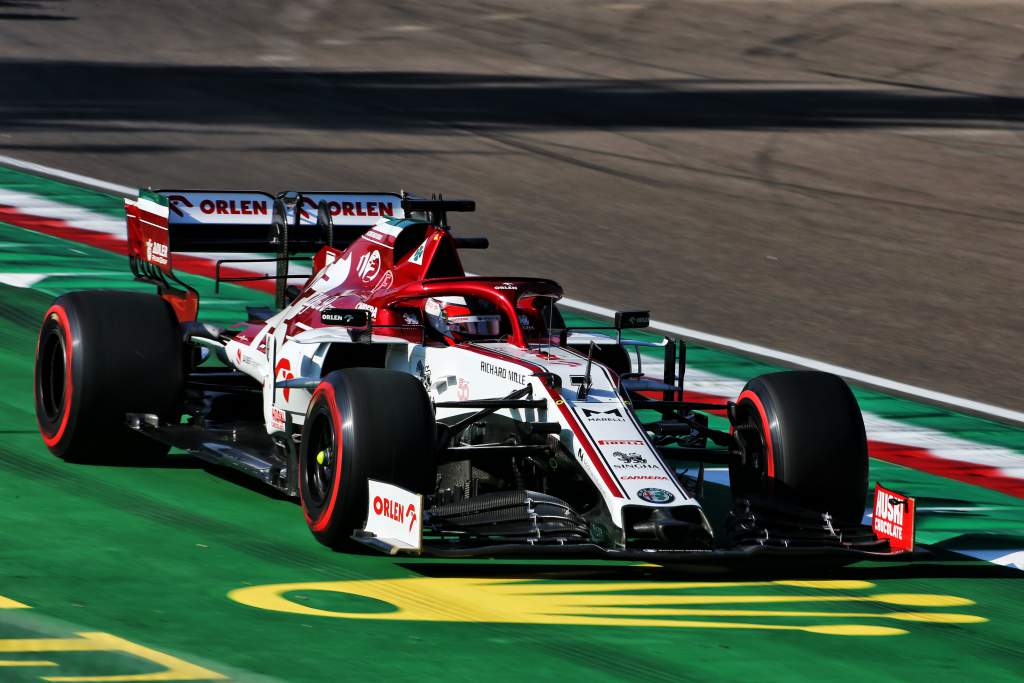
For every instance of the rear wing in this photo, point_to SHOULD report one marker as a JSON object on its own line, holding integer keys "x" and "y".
{"x": 239, "y": 222}
{"x": 163, "y": 222}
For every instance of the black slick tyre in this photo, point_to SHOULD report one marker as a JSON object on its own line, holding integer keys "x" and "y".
{"x": 362, "y": 424}
{"x": 804, "y": 438}
{"x": 102, "y": 354}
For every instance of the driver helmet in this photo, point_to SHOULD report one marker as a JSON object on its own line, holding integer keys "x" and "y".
{"x": 452, "y": 316}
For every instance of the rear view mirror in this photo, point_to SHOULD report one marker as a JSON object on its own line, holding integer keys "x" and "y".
{"x": 629, "y": 320}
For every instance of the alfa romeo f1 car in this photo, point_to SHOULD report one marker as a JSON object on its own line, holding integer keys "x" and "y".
{"x": 410, "y": 407}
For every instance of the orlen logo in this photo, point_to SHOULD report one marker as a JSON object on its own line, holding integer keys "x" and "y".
{"x": 620, "y": 442}
{"x": 220, "y": 207}
{"x": 176, "y": 200}
{"x": 369, "y": 266}
{"x": 232, "y": 207}
{"x": 385, "y": 209}
{"x": 392, "y": 509}
{"x": 284, "y": 371}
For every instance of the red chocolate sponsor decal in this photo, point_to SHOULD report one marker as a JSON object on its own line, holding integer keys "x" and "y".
{"x": 893, "y": 518}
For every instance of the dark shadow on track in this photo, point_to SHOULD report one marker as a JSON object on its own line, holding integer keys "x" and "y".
{"x": 78, "y": 96}
{"x": 247, "y": 482}
{"x": 942, "y": 565}
{"x": 23, "y": 10}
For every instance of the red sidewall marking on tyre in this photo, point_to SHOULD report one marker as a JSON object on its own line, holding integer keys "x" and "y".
{"x": 62, "y": 318}
{"x": 766, "y": 428}
{"x": 325, "y": 517}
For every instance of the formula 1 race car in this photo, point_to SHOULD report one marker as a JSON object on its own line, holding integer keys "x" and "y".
{"x": 413, "y": 408}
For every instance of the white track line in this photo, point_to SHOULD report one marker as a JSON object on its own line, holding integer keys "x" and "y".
{"x": 706, "y": 337}
{"x": 68, "y": 175}
{"x": 811, "y": 364}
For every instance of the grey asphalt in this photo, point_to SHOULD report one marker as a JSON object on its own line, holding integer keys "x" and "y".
{"x": 838, "y": 180}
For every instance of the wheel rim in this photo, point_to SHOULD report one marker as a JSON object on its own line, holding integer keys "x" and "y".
{"x": 52, "y": 379}
{"x": 319, "y": 465}
{"x": 751, "y": 431}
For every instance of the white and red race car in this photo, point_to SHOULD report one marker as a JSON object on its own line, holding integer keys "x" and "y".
{"x": 413, "y": 408}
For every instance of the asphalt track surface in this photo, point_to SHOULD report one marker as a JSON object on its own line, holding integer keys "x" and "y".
{"x": 836, "y": 180}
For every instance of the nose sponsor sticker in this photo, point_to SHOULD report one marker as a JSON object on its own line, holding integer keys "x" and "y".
{"x": 395, "y": 516}
{"x": 658, "y": 496}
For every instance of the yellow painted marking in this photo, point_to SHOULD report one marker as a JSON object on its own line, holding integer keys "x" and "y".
{"x": 7, "y": 603}
{"x": 633, "y": 586}
{"x": 933, "y": 617}
{"x": 594, "y": 604}
{"x": 174, "y": 669}
{"x": 26, "y": 662}
{"x": 320, "y": 458}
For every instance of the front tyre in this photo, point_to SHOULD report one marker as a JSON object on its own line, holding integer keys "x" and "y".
{"x": 102, "y": 354}
{"x": 362, "y": 424}
{"x": 803, "y": 437}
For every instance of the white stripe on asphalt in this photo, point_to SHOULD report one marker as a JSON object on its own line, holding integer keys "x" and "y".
{"x": 811, "y": 364}
{"x": 706, "y": 337}
{"x": 29, "y": 280}
{"x": 68, "y": 175}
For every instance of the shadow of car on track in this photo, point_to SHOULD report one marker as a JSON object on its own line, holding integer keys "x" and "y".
{"x": 85, "y": 96}
{"x": 942, "y": 564}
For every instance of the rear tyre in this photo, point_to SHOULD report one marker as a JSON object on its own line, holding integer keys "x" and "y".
{"x": 362, "y": 424}
{"x": 102, "y": 354}
{"x": 804, "y": 438}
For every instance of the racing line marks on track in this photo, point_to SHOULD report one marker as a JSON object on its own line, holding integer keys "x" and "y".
{"x": 648, "y": 604}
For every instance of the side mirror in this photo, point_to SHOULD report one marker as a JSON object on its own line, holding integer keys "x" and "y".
{"x": 630, "y": 320}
